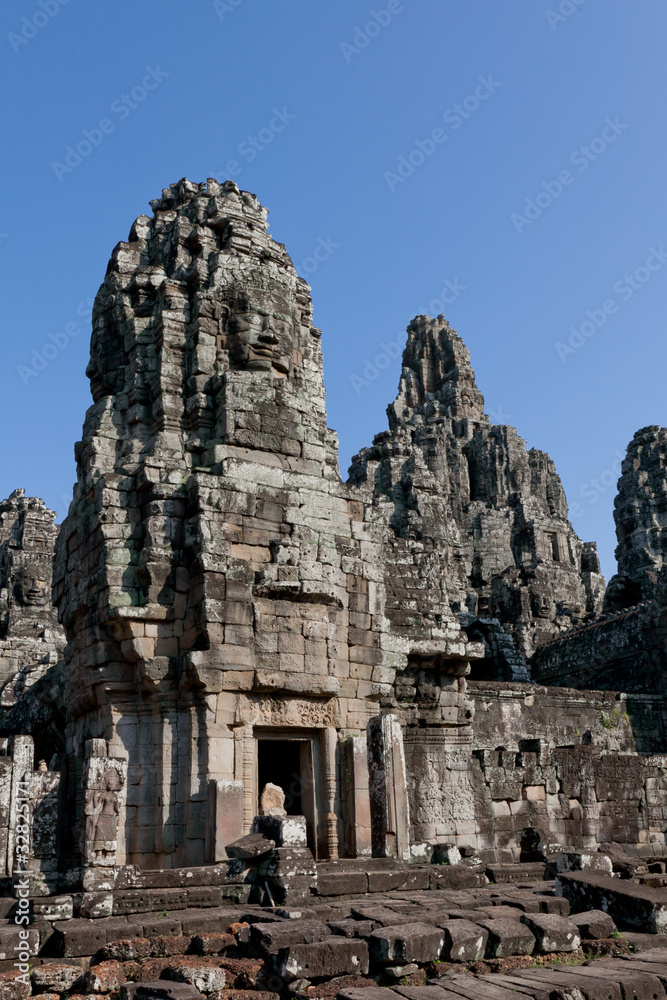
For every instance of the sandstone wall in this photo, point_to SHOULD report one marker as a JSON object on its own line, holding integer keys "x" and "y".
{"x": 580, "y": 767}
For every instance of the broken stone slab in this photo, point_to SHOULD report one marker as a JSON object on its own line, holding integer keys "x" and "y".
{"x": 255, "y": 845}
{"x": 400, "y": 971}
{"x": 464, "y": 941}
{"x": 564, "y": 983}
{"x": 417, "y": 942}
{"x": 636, "y": 985}
{"x": 629, "y": 905}
{"x": 516, "y": 986}
{"x": 285, "y": 831}
{"x": 552, "y": 933}
{"x": 508, "y": 937}
{"x": 593, "y": 924}
{"x": 335, "y": 956}
{"x": 572, "y": 861}
{"x": 457, "y": 984}
{"x": 271, "y": 937}
{"x": 622, "y": 863}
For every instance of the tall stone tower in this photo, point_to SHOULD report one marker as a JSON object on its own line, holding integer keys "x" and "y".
{"x": 221, "y": 589}
{"x": 485, "y": 518}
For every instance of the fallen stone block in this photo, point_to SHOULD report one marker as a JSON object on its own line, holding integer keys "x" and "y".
{"x": 126, "y": 950}
{"x": 400, "y": 971}
{"x": 629, "y": 905}
{"x": 55, "y": 977}
{"x": 285, "y": 831}
{"x": 198, "y": 972}
{"x": 212, "y": 944}
{"x": 572, "y": 861}
{"x": 104, "y": 978}
{"x": 255, "y": 845}
{"x": 552, "y": 933}
{"x": 507, "y": 937}
{"x": 169, "y": 945}
{"x": 13, "y": 985}
{"x": 336, "y": 956}
{"x": 270, "y": 938}
{"x": 593, "y": 924}
{"x": 12, "y": 939}
{"x": 418, "y": 942}
{"x": 464, "y": 941}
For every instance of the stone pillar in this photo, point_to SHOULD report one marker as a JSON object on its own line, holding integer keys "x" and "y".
{"x": 224, "y": 817}
{"x": 358, "y": 802}
{"x": 387, "y": 787}
{"x": 104, "y": 791}
{"x": 331, "y": 787}
{"x": 244, "y": 771}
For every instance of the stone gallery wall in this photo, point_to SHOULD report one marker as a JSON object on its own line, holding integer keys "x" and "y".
{"x": 579, "y": 767}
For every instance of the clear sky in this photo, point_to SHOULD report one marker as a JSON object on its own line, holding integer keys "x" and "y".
{"x": 514, "y": 149}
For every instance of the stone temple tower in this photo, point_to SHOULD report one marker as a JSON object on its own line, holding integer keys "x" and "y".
{"x": 221, "y": 589}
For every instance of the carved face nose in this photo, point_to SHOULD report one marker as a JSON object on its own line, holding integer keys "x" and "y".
{"x": 268, "y": 334}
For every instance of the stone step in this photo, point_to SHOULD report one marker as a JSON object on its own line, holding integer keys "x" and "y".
{"x": 80, "y": 937}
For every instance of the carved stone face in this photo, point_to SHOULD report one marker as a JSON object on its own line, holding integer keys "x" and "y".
{"x": 541, "y": 605}
{"x": 261, "y": 332}
{"x": 31, "y": 589}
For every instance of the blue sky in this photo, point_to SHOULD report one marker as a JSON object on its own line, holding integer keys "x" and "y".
{"x": 539, "y": 200}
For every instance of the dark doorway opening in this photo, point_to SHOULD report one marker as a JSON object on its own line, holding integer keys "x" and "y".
{"x": 279, "y": 761}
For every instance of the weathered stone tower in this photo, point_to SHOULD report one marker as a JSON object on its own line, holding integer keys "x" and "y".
{"x": 222, "y": 591}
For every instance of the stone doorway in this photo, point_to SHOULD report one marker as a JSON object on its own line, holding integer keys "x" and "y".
{"x": 291, "y": 761}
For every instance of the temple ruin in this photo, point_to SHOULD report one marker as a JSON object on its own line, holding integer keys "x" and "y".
{"x": 225, "y": 644}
